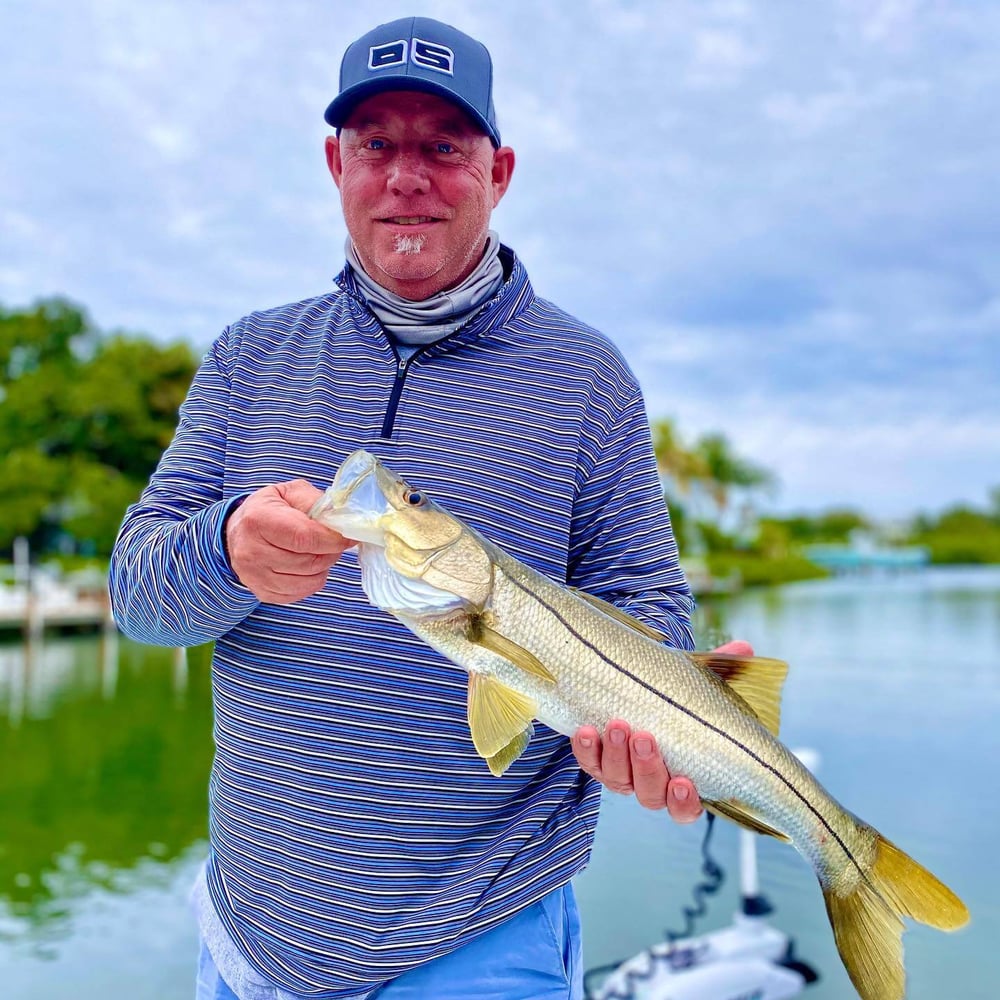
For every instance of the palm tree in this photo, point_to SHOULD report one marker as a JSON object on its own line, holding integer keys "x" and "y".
{"x": 724, "y": 470}
{"x": 680, "y": 465}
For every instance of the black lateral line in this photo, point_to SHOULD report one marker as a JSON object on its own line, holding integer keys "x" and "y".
{"x": 697, "y": 718}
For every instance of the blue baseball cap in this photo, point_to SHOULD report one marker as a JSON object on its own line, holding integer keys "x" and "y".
{"x": 418, "y": 53}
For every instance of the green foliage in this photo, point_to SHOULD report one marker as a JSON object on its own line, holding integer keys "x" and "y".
{"x": 713, "y": 538}
{"x": 85, "y": 417}
{"x": 680, "y": 522}
{"x": 726, "y": 471}
{"x": 961, "y": 534}
{"x": 756, "y": 570}
{"x": 30, "y": 482}
{"x": 677, "y": 463}
{"x": 829, "y": 527}
{"x": 709, "y": 467}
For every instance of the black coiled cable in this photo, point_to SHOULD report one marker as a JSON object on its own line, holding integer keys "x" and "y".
{"x": 713, "y": 877}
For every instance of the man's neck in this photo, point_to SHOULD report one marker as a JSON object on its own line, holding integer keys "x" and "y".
{"x": 426, "y": 320}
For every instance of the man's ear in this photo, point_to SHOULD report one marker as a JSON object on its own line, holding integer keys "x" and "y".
{"x": 503, "y": 169}
{"x": 333, "y": 161}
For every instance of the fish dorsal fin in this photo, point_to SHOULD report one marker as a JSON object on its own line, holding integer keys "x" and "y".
{"x": 756, "y": 679}
{"x": 499, "y": 762}
{"x": 498, "y": 717}
{"x": 623, "y": 617}
{"x": 481, "y": 634}
{"x": 743, "y": 815}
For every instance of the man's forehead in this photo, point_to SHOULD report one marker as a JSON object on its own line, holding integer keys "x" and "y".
{"x": 412, "y": 106}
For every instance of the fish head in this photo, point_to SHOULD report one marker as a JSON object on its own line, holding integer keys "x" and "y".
{"x": 415, "y": 557}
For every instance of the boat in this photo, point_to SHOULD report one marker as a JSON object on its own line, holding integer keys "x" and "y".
{"x": 751, "y": 959}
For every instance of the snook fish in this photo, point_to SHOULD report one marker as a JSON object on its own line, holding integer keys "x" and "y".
{"x": 535, "y": 649}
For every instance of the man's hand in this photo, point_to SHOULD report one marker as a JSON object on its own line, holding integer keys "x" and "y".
{"x": 275, "y": 549}
{"x": 628, "y": 762}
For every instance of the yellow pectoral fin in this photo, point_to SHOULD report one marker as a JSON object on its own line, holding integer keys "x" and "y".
{"x": 623, "y": 617}
{"x": 499, "y": 762}
{"x": 524, "y": 660}
{"x": 498, "y": 717}
{"x": 745, "y": 817}
{"x": 756, "y": 679}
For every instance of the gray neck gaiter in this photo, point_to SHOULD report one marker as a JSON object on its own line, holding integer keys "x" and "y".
{"x": 419, "y": 323}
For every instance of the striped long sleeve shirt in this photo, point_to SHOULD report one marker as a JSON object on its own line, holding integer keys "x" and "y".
{"x": 354, "y": 832}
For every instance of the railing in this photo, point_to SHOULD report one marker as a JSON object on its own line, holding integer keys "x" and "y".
{"x": 40, "y": 601}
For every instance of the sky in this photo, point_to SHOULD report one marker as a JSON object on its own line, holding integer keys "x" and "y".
{"x": 785, "y": 214}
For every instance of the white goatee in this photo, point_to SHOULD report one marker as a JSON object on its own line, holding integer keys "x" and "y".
{"x": 409, "y": 244}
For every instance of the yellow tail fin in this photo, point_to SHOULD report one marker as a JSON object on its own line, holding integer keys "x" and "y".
{"x": 867, "y": 922}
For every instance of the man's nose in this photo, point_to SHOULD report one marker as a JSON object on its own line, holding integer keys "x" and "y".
{"x": 408, "y": 174}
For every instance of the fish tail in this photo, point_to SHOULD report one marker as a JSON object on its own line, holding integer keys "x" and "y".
{"x": 867, "y": 918}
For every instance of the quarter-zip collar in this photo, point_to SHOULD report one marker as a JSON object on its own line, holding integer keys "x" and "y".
{"x": 418, "y": 323}
{"x": 513, "y": 296}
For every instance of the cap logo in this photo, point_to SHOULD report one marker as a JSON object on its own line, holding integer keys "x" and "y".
{"x": 388, "y": 54}
{"x": 433, "y": 56}
{"x": 429, "y": 55}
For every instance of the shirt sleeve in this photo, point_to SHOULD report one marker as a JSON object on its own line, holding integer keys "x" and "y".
{"x": 622, "y": 546}
{"x": 170, "y": 579}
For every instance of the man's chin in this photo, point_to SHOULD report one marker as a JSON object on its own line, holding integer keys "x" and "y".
{"x": 414, "y": 283}
{"x": 408, "y": 263}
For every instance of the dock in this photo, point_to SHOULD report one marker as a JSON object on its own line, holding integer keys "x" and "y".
{"x": 44, "y": 603}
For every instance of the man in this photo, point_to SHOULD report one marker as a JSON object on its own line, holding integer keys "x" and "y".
{"x": 359, "y": 847}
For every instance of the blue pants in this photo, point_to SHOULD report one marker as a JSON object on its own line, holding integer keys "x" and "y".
{"x": 536, "y": 955}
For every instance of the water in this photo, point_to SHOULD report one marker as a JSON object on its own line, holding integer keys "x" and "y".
{"x": 895, "y": 681}
{"x": 105, "y": 749}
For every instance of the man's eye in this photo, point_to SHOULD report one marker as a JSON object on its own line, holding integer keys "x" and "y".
{"x": 375, "y": 144}
{"x": 445, "y": 147}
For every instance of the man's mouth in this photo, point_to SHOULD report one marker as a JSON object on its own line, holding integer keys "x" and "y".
{"x": 410, "y": 220}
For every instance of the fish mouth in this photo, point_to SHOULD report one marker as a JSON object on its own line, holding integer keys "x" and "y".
{"x": 356, "y": 502}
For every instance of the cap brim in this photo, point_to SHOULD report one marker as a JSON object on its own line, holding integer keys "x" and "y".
{"x": 340, "y": 108}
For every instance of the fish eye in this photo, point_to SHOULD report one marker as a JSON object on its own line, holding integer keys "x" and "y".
{"x": 414, "y": 498}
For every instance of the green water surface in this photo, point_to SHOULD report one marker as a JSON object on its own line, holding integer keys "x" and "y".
{"x": 105, "y": 748}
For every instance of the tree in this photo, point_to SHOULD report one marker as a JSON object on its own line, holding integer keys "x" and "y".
{"x": 85, "y": 417}
{"x": 677, "y": 463}
{"x": 726, "y": 471}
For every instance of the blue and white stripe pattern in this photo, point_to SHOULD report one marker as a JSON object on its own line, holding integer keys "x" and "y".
{"x": 355, "y": 833}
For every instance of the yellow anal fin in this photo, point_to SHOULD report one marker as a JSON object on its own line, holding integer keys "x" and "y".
{"x": 621, "y": 616}
{"x": 482, "y": 634}
{"x": 756, "y": 679}
{"x": 867, "y": 920}
{"x": 499, "y": 762}
{"x": 498, "y": 716}
{"x": 745, "y": 817}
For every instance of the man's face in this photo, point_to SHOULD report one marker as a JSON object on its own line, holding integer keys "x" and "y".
{"x": 417, "y": 182}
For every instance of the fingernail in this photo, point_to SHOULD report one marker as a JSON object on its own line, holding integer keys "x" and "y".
{"x": 681, "y": 793}
{"x": 644, "y": 748}
{"x": 586, "y": 742}
{"x": 617, "y": 737}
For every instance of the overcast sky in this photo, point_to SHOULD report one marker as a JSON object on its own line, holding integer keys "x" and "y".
{"x": 786, "y": 214}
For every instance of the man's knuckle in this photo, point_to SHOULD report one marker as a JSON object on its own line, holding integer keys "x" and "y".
{"x": 646, "y": 768}
{"x": 652, "y": 801}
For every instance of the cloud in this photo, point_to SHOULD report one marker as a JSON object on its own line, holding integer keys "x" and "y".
{"x": 721, "y": 58}
{"x": 784, "y": 214}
